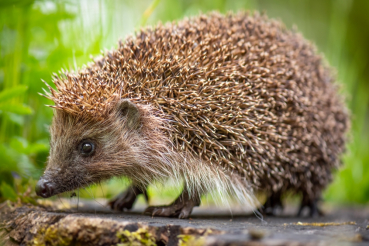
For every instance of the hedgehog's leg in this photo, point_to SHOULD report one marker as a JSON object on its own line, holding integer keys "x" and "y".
{"x": 127, "y": 198}
{"x": 312, "y": 204}
{"x": 181, "y": 207}
{"x": 273, "y": 205}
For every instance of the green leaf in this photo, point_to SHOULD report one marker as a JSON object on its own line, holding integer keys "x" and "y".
{"x": 22, "y": 146}
{"x": 12, "y": 92}
{"x": 8, "y": 192}
{"x": 16, "y": 108}
{"x": 16, "y": 118}
{"x": 19, "y": 144}
{"x": 35, "y": 148}
{"x": 8, "y": 159}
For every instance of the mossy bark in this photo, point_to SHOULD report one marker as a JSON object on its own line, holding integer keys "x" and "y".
{"x": 32, "y": 225}
{"x": 38, "y": 225}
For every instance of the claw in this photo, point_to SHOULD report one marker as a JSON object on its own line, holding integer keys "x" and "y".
{"x": 148, "y": 210}
{"x": 181, "y": 207}
{"x": 126, "y": 199}
{"x": 155, "y": 212}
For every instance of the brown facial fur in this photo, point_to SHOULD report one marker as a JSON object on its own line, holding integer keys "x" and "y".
{"x": 120, "y": 148}
{"x": 237, "y": 94}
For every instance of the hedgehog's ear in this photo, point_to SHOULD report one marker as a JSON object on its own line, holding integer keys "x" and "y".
{"x": 129, "y": 110}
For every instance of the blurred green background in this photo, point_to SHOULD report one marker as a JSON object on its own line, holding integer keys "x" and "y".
{"x": 38, "y": 38}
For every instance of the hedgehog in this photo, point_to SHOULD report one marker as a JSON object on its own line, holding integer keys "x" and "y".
{"x": 232, "y": 104}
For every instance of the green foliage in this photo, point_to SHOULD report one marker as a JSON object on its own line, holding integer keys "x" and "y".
{"x": 8, "y": 192}
{"x": 8, "y": 94}
{"x": 40, "y": 37}
{"x": 6, "y": 104}
{"x": 20, "y": 191}
{"x": 149, "y": 11}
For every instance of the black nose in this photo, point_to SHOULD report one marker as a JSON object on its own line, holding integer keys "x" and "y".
{"x": 44, "y": 188}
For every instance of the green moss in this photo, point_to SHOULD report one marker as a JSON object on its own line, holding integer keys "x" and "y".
{"x": 136, "y": 238}
{"x": 190, "y": 240}
{"x": 52, "y": 235}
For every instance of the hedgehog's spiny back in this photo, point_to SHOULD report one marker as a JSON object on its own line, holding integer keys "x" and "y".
{"x": 243, "y": 93}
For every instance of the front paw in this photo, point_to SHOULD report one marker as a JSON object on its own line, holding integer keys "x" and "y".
{"x": 121, "y": 202}
{"x": 126, "y": 199}
{"x": 180, "y": 208}
{"x": 181, "y": 211}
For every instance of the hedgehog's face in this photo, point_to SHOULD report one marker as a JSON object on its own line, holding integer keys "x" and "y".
{"x": 85, "y": 151}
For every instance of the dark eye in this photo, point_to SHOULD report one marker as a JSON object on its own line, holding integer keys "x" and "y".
{"x": 87, "y": 148}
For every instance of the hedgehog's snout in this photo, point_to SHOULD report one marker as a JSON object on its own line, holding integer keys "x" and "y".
{"x": 44, "y": 188}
